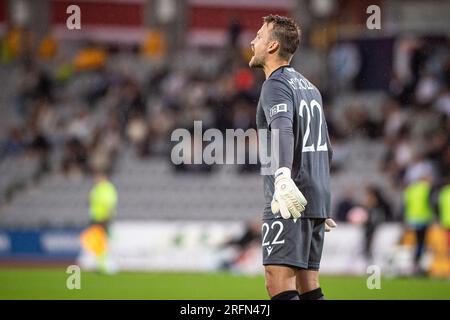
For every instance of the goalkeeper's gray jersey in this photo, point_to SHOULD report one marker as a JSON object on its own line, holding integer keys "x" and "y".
{"x": 286, "y": 93}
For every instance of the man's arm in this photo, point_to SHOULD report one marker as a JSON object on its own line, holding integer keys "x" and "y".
{"x": 277, "y": 102}
{"x": 285, "y": 141}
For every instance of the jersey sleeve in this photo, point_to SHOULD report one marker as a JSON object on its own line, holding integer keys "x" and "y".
{"x": 277, "y": 100}
{"x": 285, "y": 141}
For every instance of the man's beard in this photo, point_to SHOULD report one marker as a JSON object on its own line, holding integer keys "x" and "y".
{"x": 256, "y": 62}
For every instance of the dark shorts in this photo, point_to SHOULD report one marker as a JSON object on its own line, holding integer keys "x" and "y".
{"x": 293, "y": 243}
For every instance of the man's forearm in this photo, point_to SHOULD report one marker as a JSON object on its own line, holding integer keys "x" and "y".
{"x": 285, "y": 141}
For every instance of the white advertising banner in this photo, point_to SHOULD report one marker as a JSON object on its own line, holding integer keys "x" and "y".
{"x": 199, "y": 246}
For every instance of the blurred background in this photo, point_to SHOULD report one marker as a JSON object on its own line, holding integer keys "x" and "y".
{"x": 96, "y": 106}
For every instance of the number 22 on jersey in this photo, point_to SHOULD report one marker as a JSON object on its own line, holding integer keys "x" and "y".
{"x": 306, "y": 111}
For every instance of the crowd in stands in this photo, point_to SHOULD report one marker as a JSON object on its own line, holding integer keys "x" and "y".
{"x": 76, "y": 114}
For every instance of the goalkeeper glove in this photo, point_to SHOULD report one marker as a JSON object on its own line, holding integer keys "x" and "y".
{"x": 329, "y": 224}
{"x": 287, "y": 199}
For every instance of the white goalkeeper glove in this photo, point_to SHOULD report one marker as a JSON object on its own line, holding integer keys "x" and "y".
{"x": 287, "y": 199}
{"x": 329, "y": 224}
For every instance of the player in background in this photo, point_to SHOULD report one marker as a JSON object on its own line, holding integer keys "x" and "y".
{"x": 299, "y": 190}
{"x": 103, "y": 204}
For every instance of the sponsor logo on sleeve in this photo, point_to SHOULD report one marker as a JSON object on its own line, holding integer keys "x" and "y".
{"x": 282, "y": 107}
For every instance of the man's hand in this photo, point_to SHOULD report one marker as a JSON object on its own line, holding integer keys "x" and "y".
{"x": 287, "y": 199}
{"x": 329, "y": 224}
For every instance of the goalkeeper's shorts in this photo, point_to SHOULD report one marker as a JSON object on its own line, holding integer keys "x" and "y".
{"x": 293, "y": 243}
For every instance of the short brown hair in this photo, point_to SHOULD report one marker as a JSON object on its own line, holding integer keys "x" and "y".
{"x": 287, "y": 32}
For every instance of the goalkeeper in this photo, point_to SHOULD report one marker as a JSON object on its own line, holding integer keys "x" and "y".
{"x": 297, "y": 196}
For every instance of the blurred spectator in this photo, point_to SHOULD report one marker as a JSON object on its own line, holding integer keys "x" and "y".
{"x": 444, "y": 164}
{"x": 80, "y": 128}
{"x": 442, "y": 102}
{"x": 409, "y": 58}
{"x": 75, "y": 157}
{"x": 33, "y": 83}
{"x": 90, "y": 58}
{"x": 48, "y": 48}
{"x": 394, "y": 120}
{"x": 360, "y": 123}
{"x": 104, "y": 149}
{"x": 154, "y": 45}
{"x": 240, "y": 245}
{"x": 345, "y": 62}
{"x": 13, "y": 144}
{"x": 417, "y": 168}
{"x": 379, "y": 211}
{"x": 234, "y": 32}
{"x": 346, "y": 203}
{"x": 190, "y": 153}
{"x": 427, "y": 89}
{"x": 137, "y": 132}
{"x": 400, "y": 154}
{"x": 42, "y": 148}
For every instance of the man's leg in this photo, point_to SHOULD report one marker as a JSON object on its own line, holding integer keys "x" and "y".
{"x": 285, "y": 249}
{"x": 308, "y": 286}
{"x": 420, "y": 246}
{"x": 280, "y": 282}
{"x": 307, "y": 280}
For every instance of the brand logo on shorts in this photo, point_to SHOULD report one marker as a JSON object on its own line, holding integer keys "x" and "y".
{"x": 269, "y": 250}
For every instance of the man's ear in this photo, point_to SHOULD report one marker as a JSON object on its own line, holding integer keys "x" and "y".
{"x": 273, "y": 46}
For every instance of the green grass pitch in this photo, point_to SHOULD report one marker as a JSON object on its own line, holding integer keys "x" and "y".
{"x": 50, "y": 283}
